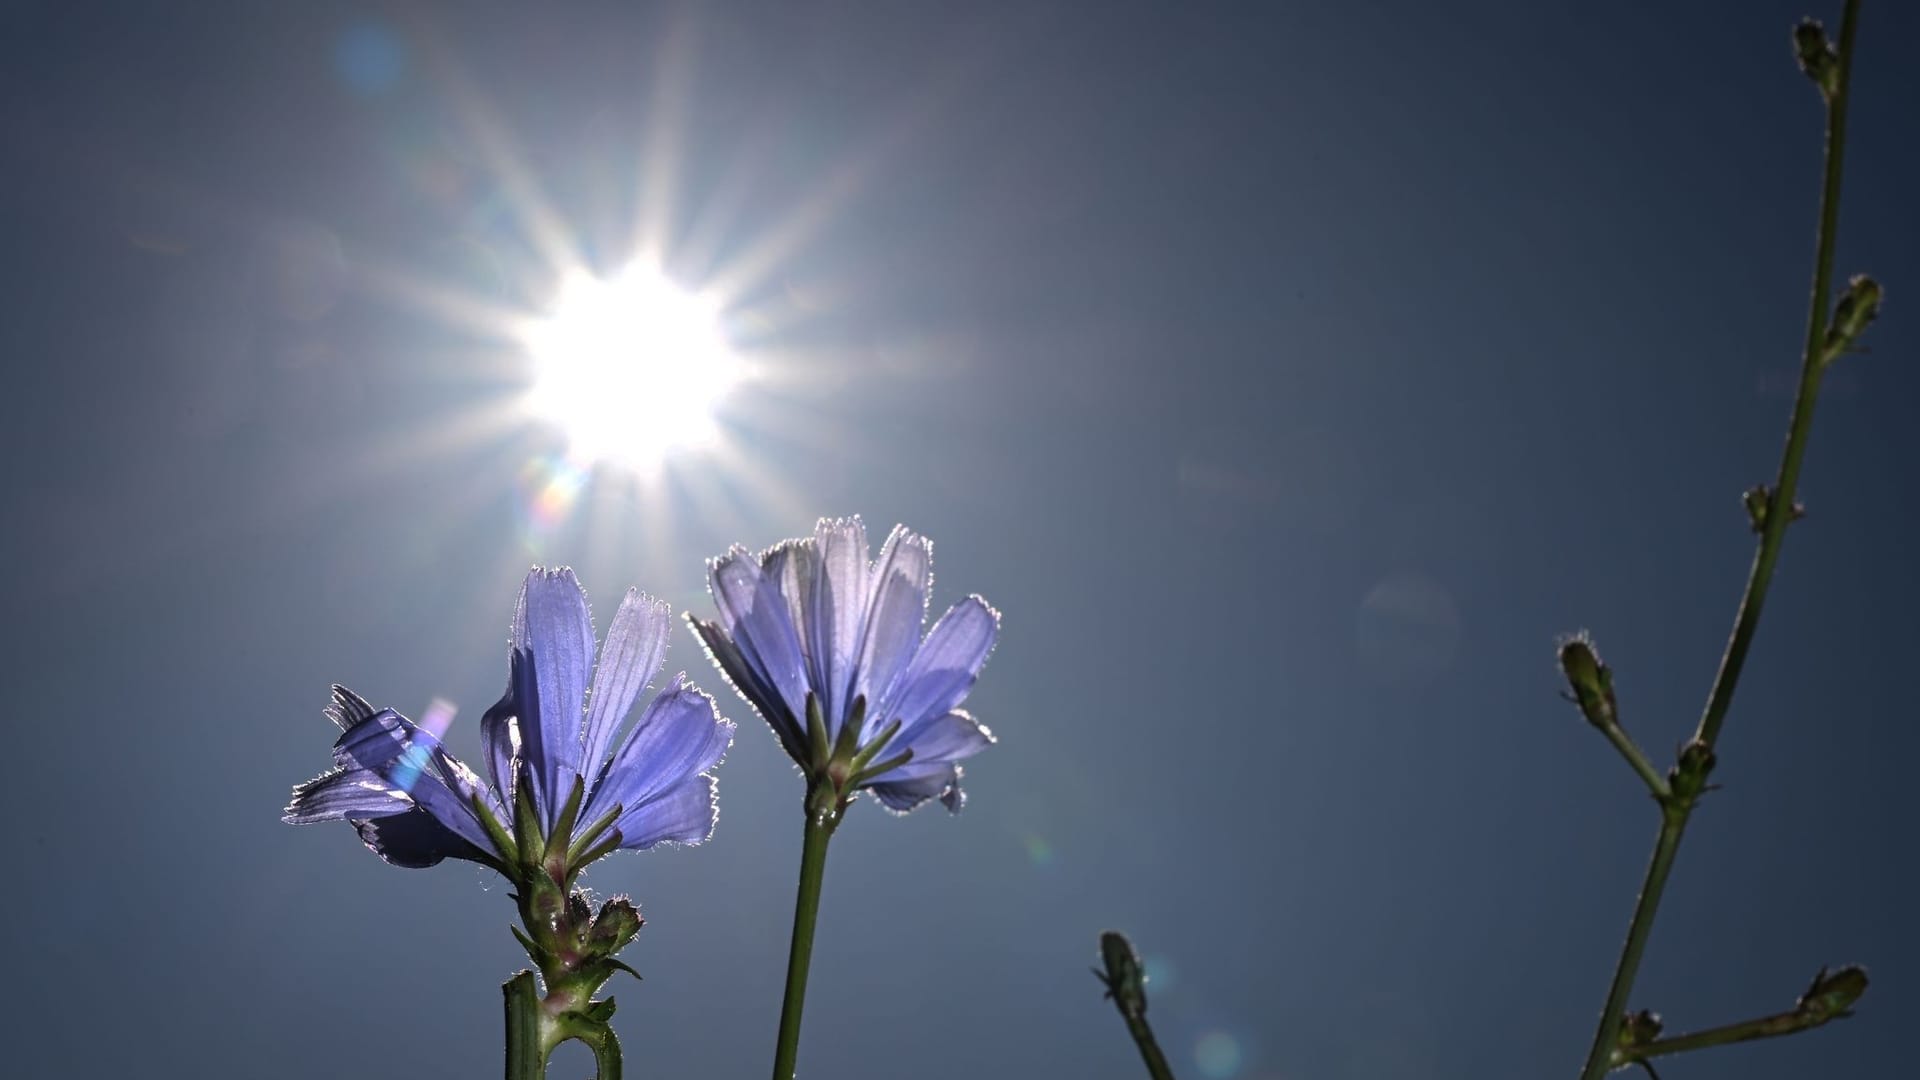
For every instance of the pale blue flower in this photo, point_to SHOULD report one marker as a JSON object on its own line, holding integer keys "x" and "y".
{"x": 414, "y": 804}
{"x": 812, "y": 620}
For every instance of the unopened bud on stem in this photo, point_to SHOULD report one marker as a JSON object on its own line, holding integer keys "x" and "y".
{"x": 1817, "y": 56}
{"x": 1856, "y": 308}
{"x": 1832, "y": 994}
{"x": 1126, "y": 980}
{"x": 1590, "y": 680}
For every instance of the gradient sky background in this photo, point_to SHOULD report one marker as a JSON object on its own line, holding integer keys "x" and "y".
{"x": 1289, "y": 375}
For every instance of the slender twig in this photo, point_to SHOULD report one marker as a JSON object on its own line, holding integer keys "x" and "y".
{"x": 1780, "y": 514}
{"x": 1677, "y": 811}
{"x": 1765, "y": 1027}
{"x": 1630, "y": 750}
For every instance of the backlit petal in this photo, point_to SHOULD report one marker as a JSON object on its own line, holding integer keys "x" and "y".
{"x": 553, "y": 623}
{"x": 682, "y": 814}
{"x": 946, "y": 666}
{"x": 635, "y": 647}
{"x": 678, "y": 736}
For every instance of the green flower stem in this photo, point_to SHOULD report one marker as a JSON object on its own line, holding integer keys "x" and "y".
{"x": 534, "y": 1030}
{"x": 1630, "y": 750}
{"x": 1766, "y": 1027}
{"x": 1676, "y": 812}
{"x": 599, "y": 1038}
{"x": 526, "y": 1044}
{"x": 1600, "y": 1057}
{"x": 1142, "y": 1033}
{"x": 806, "y": 909}
{"x": 1780, "y": 513}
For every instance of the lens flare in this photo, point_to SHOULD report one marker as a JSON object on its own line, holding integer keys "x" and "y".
{"x": 1039, "y": 852}
{"x": 1217, "y": 1054}
{"x": 434, "y": 723}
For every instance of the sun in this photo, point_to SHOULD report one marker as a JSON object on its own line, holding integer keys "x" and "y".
{"x": 630, "y": 367}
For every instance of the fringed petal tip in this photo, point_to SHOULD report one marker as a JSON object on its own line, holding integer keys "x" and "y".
{"x": 342, "y": 793}
{"x": 346, "y": 708}
{"x": 732, "y": 554}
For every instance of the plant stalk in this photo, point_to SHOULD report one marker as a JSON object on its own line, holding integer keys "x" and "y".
{"x": 1766, "y": 1027}
{"x": 1676, "y": 812}
{"x": 1142, "y": 1033}
{"x": 806, "y": 911}
{"x": 526, "y": 1043}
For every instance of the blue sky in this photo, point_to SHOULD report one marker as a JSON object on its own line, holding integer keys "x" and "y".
{"x": 1288, "y": 375}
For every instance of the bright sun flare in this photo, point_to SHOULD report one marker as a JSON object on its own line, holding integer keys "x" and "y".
{"x": 630, "y": 368}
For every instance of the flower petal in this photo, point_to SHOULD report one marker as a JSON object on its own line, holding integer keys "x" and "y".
{"x": 952, "y": 737}
{"x": 347, "y": 708}
{"x": 792, "y": 566}
{"x": 945, "y": 667}
{"x": 678, "y": 736}
{"x": 919, "y": 783}
{"x": 635, "y": 647}
{"x": 755, "y": 617}
{"x": 897, "y": 611}
{"x": 682, "y": 814}
{"x": 344, "y": 792}
{"x": 392, "y": 748}
{"x": 839, "y": 612}
{"x": 748, "y": 684}
{"x": 553, "y": 623}
{"x": 416, "y": 840}
{"x": 500, "y": 728}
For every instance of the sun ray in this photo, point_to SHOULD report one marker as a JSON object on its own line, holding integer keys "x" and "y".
{"x": 555, "y": 243}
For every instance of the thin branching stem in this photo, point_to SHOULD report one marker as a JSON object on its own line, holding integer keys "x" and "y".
{"x": 1630, "y": 750}
{"x": 1677, "y": 812}
{"x": 1780, "y": 512}
{"x": 1766, "y": 1027}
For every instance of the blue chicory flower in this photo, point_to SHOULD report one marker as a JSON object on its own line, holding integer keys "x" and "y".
{"x": 809, "y": 621}
{"x": 414, "y": 804}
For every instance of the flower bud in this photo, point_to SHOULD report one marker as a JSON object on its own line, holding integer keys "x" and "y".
{"x": 619, "y": 921}
{"x": 1688, "y": 778}
{"x": 1126, "y": 980}
{"x": 1759, "y": 500}
{"x": 1590, "y": 680}
{"x": 1639, "y": 1028}
{"x": 1817, "y": 56}
{"x": 1856, "y": 308}
{"x": 1756, "y": 499}
{"x": 1832, "y": 995}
